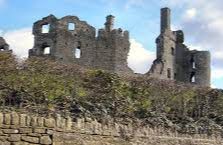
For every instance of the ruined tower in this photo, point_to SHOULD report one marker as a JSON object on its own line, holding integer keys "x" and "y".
{"x": 74, "y": 41}
{"x": 112, "y": 48}
{"x": 174, "y": 59}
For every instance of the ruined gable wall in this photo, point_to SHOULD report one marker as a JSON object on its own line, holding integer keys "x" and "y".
{"x": 82, "y": 38}
{"x": 43, "y": 40}
{"x": 24, "y": 129}
{"x": 166, "y": 52}
{"x": 109, "y": 51}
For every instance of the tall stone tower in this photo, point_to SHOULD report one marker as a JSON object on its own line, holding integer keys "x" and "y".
{"x": 112, "y": 48}
{"x": 174, "y": 59}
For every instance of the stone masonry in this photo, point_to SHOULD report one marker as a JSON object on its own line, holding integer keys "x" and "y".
{"x": 23, "y": 129}
{"x": 71, "y": 40}
{"x": 174, "y": 59}
{"x": 109, "y": 50}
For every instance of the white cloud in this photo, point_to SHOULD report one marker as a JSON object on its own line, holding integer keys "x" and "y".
{"x": 190, "y": 14}
{"x": 140, "y": 59}
{"x": 202, "y": 24}
{"x": 20, "y": 41}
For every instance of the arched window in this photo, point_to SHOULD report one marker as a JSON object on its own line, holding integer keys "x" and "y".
{"x": 2, "y": 49}
{"x": 46, "y": 28}
{"x": 71, "y": 26}
{"x": 46, "y": 51}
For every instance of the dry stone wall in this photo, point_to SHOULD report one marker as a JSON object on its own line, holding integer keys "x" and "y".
{"x": 23, "y": 129}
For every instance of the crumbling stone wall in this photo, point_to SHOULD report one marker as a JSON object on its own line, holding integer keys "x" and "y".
{"x": 108, "y": 51}
{"x": 174, "y": 59}
{"x": 3, "y": 45}
{"x": 23, "y": 129}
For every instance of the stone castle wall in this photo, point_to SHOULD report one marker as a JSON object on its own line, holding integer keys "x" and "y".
{"x": 23, "y": 129}
{"x": 3, "y": 45}
{"x": 175, "y": 61}
{"x": 107, "y": 51}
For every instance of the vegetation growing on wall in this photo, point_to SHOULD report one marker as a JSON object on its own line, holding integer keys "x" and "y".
{"x": 43, "y": 85}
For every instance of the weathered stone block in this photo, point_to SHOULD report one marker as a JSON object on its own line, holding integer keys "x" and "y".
{"x": 22, "y": 120}
{"x": 5, "y": 143}
{"x": 49, "y": 131}
{"x": 39, "y": 130}
{"x": 7, "y": 119}
{"x": 3, "y": 138}
{"x": 28, "y": 120}
{"x": 25, "y": 130}
{"x": 20, "y": 143}
{"x": 33, "y": 121}
{"x": 49, "y": 123}
{"x": 69, "y": 123}
{"x": 40, "y": 121}
{"x": 45, "y": 140}
{"x": 14, "y": 137}
{"x": 10, "y": 131}
{"x": 58, "y": 121}
{"x": 30, "y": 139}
{"x": 34, "y": 134}
{"x": 15, "y": 118}
{"x": 1, "y": 119}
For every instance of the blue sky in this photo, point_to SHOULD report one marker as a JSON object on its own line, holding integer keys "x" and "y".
{"x": 203, "y": 30}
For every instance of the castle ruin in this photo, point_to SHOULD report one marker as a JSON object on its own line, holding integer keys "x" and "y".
{"x": 71, "y": 40}
{"x": 174, "y": 59}
{"x": 74, "y": 41}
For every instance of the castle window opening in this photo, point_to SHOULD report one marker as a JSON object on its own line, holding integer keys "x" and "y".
{"x": 77, "y": 52}
{"x": 193, "y": 65}
{"x": 192, "y": 77}
{"x": 46, "y": 51}
{"x": 1, "y": 49}
{"x": 46, "y": 28}
{"x": 71, "y": 26}
{"x": 172, "y": 51}
{"x": 193, "y": 62}
{"x": 169, "y": 73}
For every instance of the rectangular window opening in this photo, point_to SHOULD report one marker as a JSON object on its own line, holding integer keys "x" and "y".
{"x": 192, "y": 77}
{"x": 77, "y": 52}
{"x": 71, "y": 26}
{"x": 46, "y": 28}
